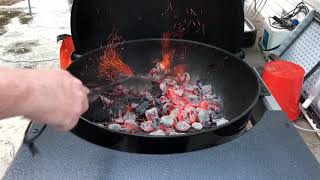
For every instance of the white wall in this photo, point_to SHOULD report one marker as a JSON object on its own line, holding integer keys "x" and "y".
{"x": 275, "y": 7}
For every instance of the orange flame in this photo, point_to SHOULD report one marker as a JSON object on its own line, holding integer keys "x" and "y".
{"x": 111, "y": 63}
{"x": 167, "y": 53}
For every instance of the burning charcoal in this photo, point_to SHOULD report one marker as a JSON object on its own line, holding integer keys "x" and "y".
{"x": 221, "y": 121}
{"x": 197, "y": 126}
{"x": 189, "y": 108}
{"x": 197, "y": 90}
{"x": 156, "y": 123}
{"x": 203, "y": 116}
{"x": 130, "y": 116}
{"x": 183, "y": 116}
{"x": 114, "y": 126}
{"x": 206, "y": 124}
{"x": 202, "y": 82}
{"x": 189, "y": 88}
{"x": 157, "y": 103}
{"x": 174, "y": 113}
{"x": 134, "y": 105}
{"x": 211, "y": 98}
{"x": 171, "y": 131}
{"x": 118, "y": 120}
{"x": 204, "y": 105}
{"x": 194, "y": 100}
{"x": 207, "y": 89}
{"x": 170, "y": 93}
{"x": 167, "y": 121}
{"x": 177, "y": 90}
{"x": 158, "y": 132}
{"x": 156, "y": 74}
{"x": 215, "y": 108}
{"x": 182, "y": 126}
{"x": 178, "y": 102}
{"x": 142, "y": 107}
{"x": 184, "y": 78}
{"x": 191, "y": 111}
{"x": 151, "y": 114}
{"x": 163, "y": 86}
{"x": 170, "y": 82}
{"x": 164, "y": 100}
{"x": 216, "y": 116}
{"x": 166, "y": 108}
{"x": 130, "y": 125}
{"x": 192, "y": 116}
{"x": 148, "y": 96}
{"x": 147, "y": 126}
{"x": 160, "y": 67}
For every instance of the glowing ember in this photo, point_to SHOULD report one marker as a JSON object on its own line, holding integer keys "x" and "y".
{"x": 183, "y": 106}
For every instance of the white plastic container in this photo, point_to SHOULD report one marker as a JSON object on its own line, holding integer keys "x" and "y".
{"x": 314, "y": 92}
{"x": 272, "y": 37}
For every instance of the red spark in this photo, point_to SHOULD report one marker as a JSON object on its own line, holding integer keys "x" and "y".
{"x": 111, "y": 63}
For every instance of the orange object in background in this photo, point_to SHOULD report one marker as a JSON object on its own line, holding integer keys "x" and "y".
{"x": 66, "y": 49}
{"x": 285, "y": 81}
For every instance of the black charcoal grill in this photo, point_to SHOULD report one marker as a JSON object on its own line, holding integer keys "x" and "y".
{"x": 271, "y": 149}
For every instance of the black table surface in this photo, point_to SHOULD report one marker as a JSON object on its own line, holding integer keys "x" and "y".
{"x": 272, "y": 149}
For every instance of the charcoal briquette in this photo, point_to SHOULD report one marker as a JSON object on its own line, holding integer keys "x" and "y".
{"x": 156, "y": 123}
{"x": 114, "y": 126}
{"x": 197, "y": 126}
{"x": 142, "y": 107}
{"x": 158, "y": 132}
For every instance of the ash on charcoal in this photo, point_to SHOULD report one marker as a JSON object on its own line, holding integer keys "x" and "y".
{"x": 157, "y": 103}
{"x": 174, "y": 113}
{"x": 197, "y": 126}
{"x": 142, "y": 107}
{"x": 114, "y": 126}
{"x": 184, "y": 78}
{"x": 147, "y": 126}
{"x": 203, "y": 116}
{"x": 118, "y": 120}
{"x": 216, "y": 116}
{"x": 182, "y": 126}
{"x": 130, "y": 125}
{"x": 197, "y": 90}
{"x": 206, "y": 89}
{"x": 167, "y": 121}
{"x": 158, "y": 132}
{"x": 151, "y": 114}
{"x": 166, "y": 108}
{"x": 148, "y": 96}
{"x": 194, "y": 100}
{"x": 221, "y": 121}
{"x": 134, "y": 105}
{"x": 156, "y": 123}
{"x": 178, "y": 90}
{"x": 129, "y": 116}
{"x": 170, "y": 82}
{"x": 202, "y": 82}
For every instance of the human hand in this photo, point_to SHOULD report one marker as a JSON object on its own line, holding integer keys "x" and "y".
{"x": 55, "y": 97}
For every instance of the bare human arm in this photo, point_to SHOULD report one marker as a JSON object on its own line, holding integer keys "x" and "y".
{"x": 54, "y": 97}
